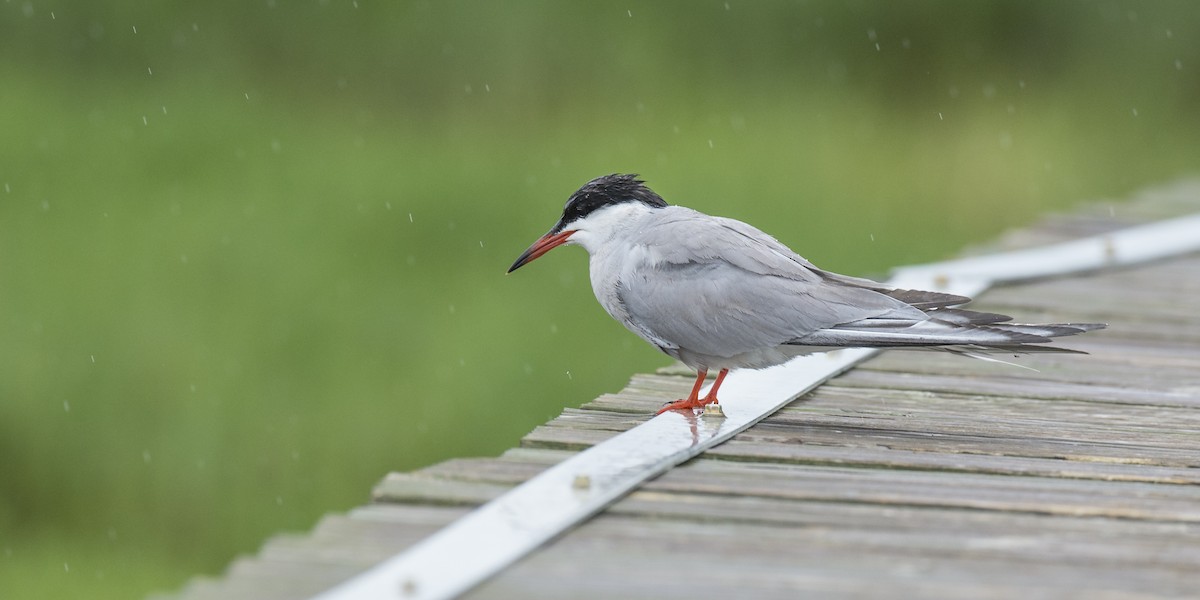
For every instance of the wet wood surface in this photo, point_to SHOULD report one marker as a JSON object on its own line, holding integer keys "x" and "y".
{"x": 916, "y": 474}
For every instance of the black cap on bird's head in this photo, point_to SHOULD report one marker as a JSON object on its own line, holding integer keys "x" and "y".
{"x": 598, "y": 193}
{"x": 607, "y": 191}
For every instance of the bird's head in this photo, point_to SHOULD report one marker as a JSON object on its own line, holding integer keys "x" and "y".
{"x": 591, "y": 209}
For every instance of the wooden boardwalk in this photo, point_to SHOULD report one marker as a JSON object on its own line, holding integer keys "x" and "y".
{"x": 912, "y": 475}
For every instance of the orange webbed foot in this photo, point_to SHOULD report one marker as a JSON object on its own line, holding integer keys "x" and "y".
{"x": 686, "y": 403}
{"x": 693, "y": 401}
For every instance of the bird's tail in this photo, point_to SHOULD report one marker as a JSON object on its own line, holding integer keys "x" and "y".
{"x": 953, "y": 329}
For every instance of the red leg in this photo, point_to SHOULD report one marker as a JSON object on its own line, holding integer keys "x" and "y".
{"x": 711, "y": 396}
{"x": 692, "y": 401}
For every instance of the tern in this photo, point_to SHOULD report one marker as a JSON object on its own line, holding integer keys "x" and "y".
{"x": 717, "y": 293}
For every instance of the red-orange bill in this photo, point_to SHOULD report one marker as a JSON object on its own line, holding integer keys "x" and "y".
{"x": 544, "y": 244}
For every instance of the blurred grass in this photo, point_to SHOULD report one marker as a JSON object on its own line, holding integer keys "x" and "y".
{"x": 252, "y": 254}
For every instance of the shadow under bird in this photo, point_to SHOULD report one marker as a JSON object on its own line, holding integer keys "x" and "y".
{"x": 716, "y": 293}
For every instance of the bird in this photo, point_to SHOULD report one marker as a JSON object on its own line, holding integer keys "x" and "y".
{"x": 718, "y": 294}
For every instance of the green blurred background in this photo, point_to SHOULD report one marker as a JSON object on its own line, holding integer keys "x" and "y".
{"x": 252, "y": 253}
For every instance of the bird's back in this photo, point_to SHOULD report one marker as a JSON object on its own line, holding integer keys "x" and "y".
{"x": 720, "y": 287}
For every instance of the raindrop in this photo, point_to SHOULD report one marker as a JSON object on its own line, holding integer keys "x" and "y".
{"x": 195, "y": 27}
{"x": 553, "y": 328}
{"x": 906, "y": 43}
{"x": 7, "y": 189}
{"x": 467, "y": 88}
{"x": 387, "y": 204}
{"x": 275, "y": 146}
{"x": 872, "y": 237}
{"x": 569, "y": 375}
{"x": 480, "y": 243}
{"x": 877, "y": 46}
{"x": 66, "y": 567}
{"x": 66, "y": 406}
{"x": 1170, "y": 34}
{"x": 135, "y": 29}
{"x": 192, "y": 388}
{"x": 487, "y": 87}
{"x": 93, "y": 359}
{"x": 27, "y": 9}
{"x": 871, "y": 35}
{"x": 146, "y": 456}
{"x": 149, "y": 71}
{"x": 279, "y": 500}
{"x": 145, "y": 121}
{"x": 1178, "y": 65}
{"x": 940, "y": 117}
{"x": 183, "y": 258}
{"x": 247, "y": 95}
{"x": 630, "y": 13}
{"x": 355, "y": 3}
{"x": 1135, "y": 112}
{"x": 164, "y": 110}
{"x": 726, "y": 6}
{"x": 710, "y": 144}
{"x": 1021, "y": 84}
{"x": 452, "y": 309}
{"x": 410, "y": 218}
{"x": 51, "y": 15}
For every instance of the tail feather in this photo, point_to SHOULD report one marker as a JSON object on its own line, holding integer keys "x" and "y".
{"x": 927, "y": 300}
{"x": 1049, "y": 330}
{"x": 918, "y": 335}
{"x": 958, "y": 330}
{"x": 963, "y": 337}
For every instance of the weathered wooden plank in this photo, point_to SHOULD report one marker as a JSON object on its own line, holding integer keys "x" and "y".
{"x": 979, "y": 385}
{"x": 526, "y": 459}
{"x": 1109, "y": 363}
{"x": 908, "y": 487}
{"x": 675, "y": 560}
{"x": 962, "y": 424}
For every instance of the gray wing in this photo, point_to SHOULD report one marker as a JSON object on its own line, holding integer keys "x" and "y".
{"x": 721, "y": 287}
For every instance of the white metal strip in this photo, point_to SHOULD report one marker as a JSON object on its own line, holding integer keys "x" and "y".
{"x": 478, "y": 545}
{"x": 1133, "y": 245}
